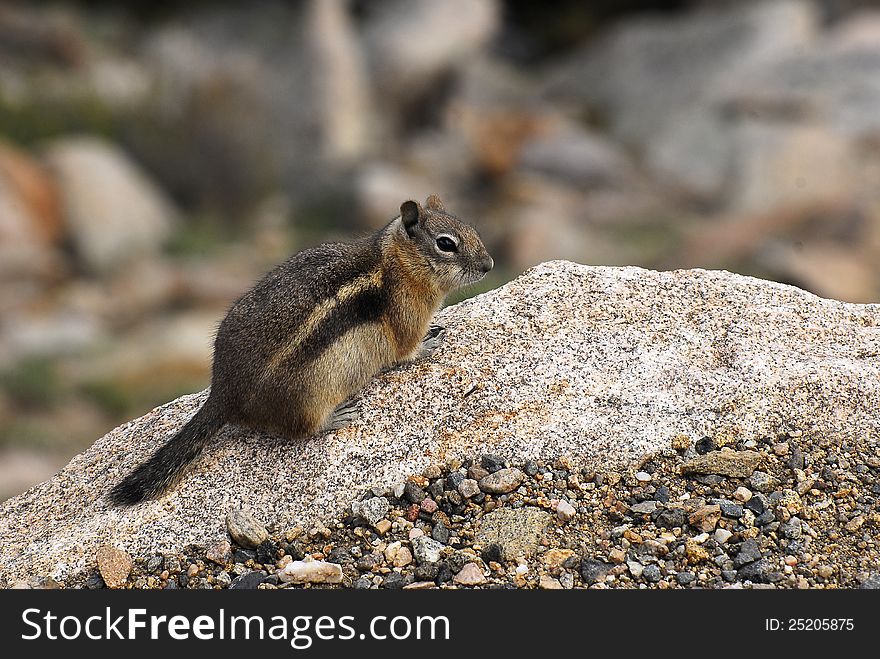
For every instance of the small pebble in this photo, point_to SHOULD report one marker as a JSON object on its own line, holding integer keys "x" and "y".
{"x": 593, "y": 570}
{"x": 371, "y": 510}
{"x": 440, "y": 533}
{"x": 565, "y": 511}
{"x": 501, "y": 481}
{"x": 454, "y": 480}
{"x": 722, "y": 536}
{"x": 114, "y": 564}
{"x": 477, "y": 473}
{"x": 413, "y": 493}
{"x": 748, "y": 553}
{"x": 244, "y": 529}
{"x": 684, "y": 578}
{"x": 426, "y": 550}
{"x": 468, "y": 488}
{"x": 644, "y": 507}
{"x": 491, "y": 463}
{"x": 309, "y": 570}
{"x": 651, "y": 573}
{"x": 219, "y": 552}
{"x": 469, "y": 575}
{"x": 549, "y": 583}
{"x": 248, "y": 581}
{"x": 761, "y": 481}
{"x": 825, "y": 571}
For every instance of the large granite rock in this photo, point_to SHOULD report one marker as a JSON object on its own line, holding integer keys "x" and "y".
{"x": 604, "y": 365}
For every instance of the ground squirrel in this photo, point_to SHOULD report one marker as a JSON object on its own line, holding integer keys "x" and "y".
{"x": 312, "y": 332}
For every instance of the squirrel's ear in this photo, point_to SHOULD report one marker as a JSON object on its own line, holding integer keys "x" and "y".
{"x": 433, "y": 202}
{"x": 409, "y": 214}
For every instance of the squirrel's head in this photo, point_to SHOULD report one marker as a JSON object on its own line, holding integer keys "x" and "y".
{"x": 450, "y": 248}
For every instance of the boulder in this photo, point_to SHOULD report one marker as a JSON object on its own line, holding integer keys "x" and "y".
{"x": 339, "y": 87}
{"x": 411, "y": 43}
{"x": 790, "y": 165}
{"x": 603, "y": 365}
{"x": 247, "y": 102}
{"x": 666, "y": 67}
{"x": 576, "y": 156}
{"x": 833, "y": 81}
{"x": 668, "y": 96}
{"x": 112, "y": 210}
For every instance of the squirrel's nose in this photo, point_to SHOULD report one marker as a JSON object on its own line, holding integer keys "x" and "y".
{"x": 487, "y": 264}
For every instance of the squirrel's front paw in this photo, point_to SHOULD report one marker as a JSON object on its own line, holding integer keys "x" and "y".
{"x": 432, "y": 340}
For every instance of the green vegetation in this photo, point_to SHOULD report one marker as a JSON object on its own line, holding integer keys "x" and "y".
{"x": 33, "y": 383}
{"x": 112, "y": 399}
{"x": 29, "y": 123}
{"x": 199, "y": 235}
{"x": 33, "y": 433}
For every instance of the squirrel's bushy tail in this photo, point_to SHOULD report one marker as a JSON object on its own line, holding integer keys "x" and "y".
{"x": 165, "y": 466}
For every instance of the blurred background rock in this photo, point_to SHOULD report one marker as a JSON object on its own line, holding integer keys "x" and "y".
{"x": 156, "y": 158}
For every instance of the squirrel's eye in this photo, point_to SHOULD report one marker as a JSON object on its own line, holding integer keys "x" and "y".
{"x": 445, "y": 244}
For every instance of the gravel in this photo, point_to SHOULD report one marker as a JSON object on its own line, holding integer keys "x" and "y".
{"x": 813, "y": 529}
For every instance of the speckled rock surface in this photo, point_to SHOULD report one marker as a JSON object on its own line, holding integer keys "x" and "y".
{"x": 604, "y": 365}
